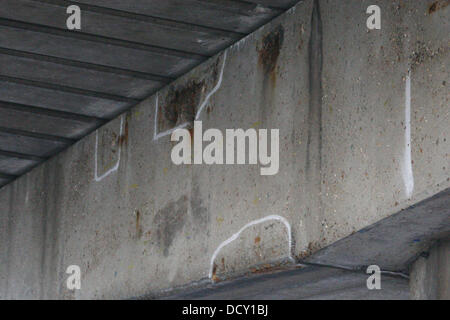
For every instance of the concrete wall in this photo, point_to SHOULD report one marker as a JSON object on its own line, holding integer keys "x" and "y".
{"x": 430, "y": 274}
{"x": 135, "y": 223}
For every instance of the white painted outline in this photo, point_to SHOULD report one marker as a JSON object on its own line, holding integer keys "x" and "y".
{"x": 407, "y": 170}
{"x": 116, "y": 166}
{"x": 157, "y": 135}
{"x": 252, "y": 223}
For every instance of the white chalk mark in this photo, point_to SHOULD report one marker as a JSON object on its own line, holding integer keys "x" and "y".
{"x": 157, "y": 135}
{"x": 116, "y": 166}
{"x": 214, "y": 90}
{"x": 237, "y": 234}
{"x": 407, "y": 171}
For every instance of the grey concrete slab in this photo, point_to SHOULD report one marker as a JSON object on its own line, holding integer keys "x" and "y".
{"x": 29, "y": 145}
{"x": 45, "y": 124}
{"x": 15, "y": 166}
{"x": 173, "y": 36}
{"x": 83, "y": 78}
{"x": 116, "y": 205}
{"x": 94, "y": 52}
{"x": 58, "y": 100}
{"x": 373, "y": 82}
{"x": 394, "y": 242}
{"x": 302, "y": 284}
{"x": 430, "y": 273}
{"x": 4, "y": 182}
{"x": 219, "y": 14}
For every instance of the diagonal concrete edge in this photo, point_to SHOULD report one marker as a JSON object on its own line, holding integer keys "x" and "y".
{"x": 307, "y": 283}
{"x": 394, "y": 242}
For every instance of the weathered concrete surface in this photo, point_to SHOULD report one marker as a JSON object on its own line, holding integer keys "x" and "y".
{"x": 430, "y": 274}
{"x": 115, "y": 205}
{"x": 123, "y": 52}
{"x": 309, "y": 283}
{"x": 394, "y": 242}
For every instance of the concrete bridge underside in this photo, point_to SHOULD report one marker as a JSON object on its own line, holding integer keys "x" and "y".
{"x": 364, "y": 173}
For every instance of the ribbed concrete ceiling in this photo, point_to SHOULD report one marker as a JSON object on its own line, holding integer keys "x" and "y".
{"x": 58, "y": 85}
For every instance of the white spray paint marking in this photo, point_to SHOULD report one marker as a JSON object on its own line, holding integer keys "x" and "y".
{"x": 214, "y": 90}
{"x": 241, "y": 43}
{"x": 248, "y": 225}
{"x": 157, "y": 135}
{"x": 407, "y": 171}
{"x": 116, "y": 166}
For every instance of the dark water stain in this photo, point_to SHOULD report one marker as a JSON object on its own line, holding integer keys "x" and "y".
{"x": 138, "y": 225}
{"x": 314, "y": 121}
{"x": 169, "y": 221}
{"x": 268, "y": 54}
{"x": 199, "y": 212}
{"x": 270, "y": 49}
{"x": 51, "y": 257}
{"x": 181, "y": 104}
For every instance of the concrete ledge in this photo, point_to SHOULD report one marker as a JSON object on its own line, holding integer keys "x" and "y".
{"x": 303, "y": 283}
{"x": 394, "y": 242}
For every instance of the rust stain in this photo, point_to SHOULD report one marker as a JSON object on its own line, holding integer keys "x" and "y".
{"x": 191, "y": 132}
{"x": 312, "y": 247}
{"x": 214, "y": 277}
{"x": 181, "y": 103}
{"x": 123, "y": 139}
{"x": 437, "y": 5}
{"x": 257, "y": 240}
{"x": 301, "y": 41}
{"x": 138, "y": 224}
{"x": 270, "y": 50}
{"x": 270, "y": 268}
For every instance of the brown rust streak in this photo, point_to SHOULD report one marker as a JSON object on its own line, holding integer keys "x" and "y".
{"x": 123, "y": 139}
{"x": 270, "y": 51}
{"x": 437, "y": 5}
{"x": 182, "y": 102}
{"x": 138, "y": 224}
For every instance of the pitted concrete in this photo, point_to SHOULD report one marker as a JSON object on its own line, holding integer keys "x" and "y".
{"x": 140, "y": 224}
{"x": 430, "y": 273}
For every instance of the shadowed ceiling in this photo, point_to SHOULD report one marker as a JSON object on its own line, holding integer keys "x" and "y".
{"x": 58, "y": 85}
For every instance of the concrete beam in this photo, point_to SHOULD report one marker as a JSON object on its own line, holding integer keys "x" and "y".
{"x": 304, "y": 283}
{"x": 394, "y": 242}
{"x": 116, "y": 205}
{"x": 430, "y": 273}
